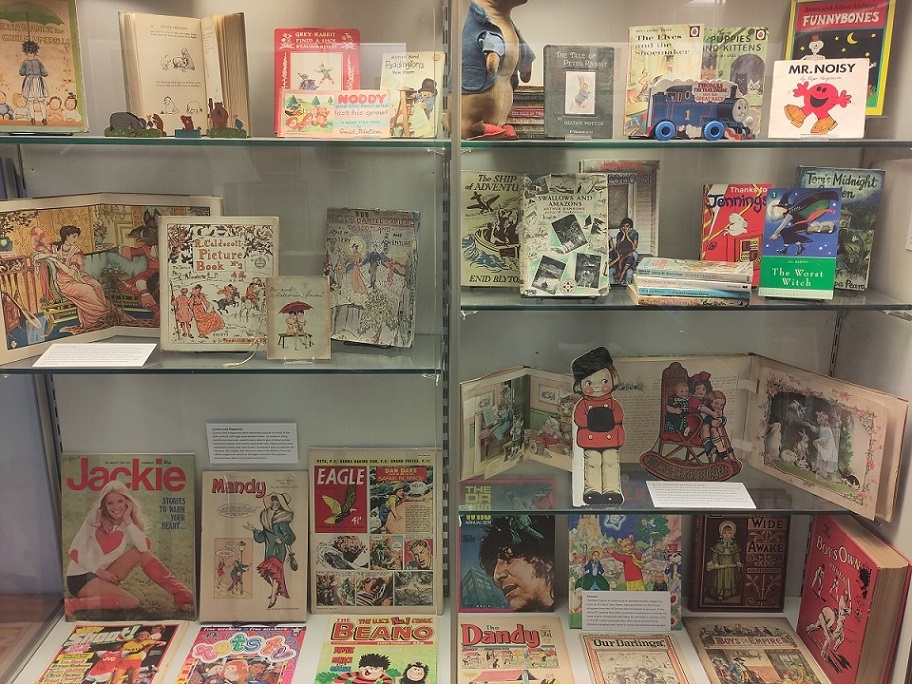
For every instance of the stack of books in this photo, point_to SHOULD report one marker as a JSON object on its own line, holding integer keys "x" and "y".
{"x": 681, "y": 282}
{"x": 527, "y": 116}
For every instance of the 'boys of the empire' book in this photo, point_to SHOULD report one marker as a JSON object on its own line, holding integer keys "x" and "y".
{"x": 490, "y": 229}
{"x": 254, "y": 546}
{"x": 861, "y": 192}
{"x": 579, "y": 91}
{"x": 733, "y": 218}
{"x": 128, "y": 529}
{"x": 800, "y": 239}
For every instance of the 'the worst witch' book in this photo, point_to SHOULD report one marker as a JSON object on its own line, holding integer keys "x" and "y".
{"x": 579, "y": 91}
{"x": 490, "y": 229}
{"x": 733, "y": 218}
{"x": 254, "y": 546}
{"x": 375, "y": 530}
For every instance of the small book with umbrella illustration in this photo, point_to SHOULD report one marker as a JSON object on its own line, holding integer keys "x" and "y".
{"x": 297, "y": 318}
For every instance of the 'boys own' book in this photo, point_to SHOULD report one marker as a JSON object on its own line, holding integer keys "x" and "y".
{"x": 490, "y": 229}
{"x": 213, "y": 281}
{"x": 831, "y": 29}
{"x": 253, "y": 544}
{"x": 635, "y": 657}
{"x": 388, "y": 649}
{"x": 512, "y": 648}
{"x": 800, "y": 239}
{"x": 852, "y": 600}
{"x": 579, "y": 91}
{"x": 111, "y": 651}
{"x": 861, "y": 191}
{"x": 372, "y": 262}
{"x": 622, "y": 553}
{"x": 128, "y": 530}
{"x": 738, "y": 562}
{"x": 376, "y": 540}
{"x": 527, "y": 531}
{"x": 738, "y": 54}
{"x": 733, "y": 219}
{"x": 83, "y": 268}
{"x": 246, "y": 653}
{"x": 413, "y": 81}
{"x": 563, "y": 236}
{"x": 297, "y": 317}
{"x": 41, "y": 45}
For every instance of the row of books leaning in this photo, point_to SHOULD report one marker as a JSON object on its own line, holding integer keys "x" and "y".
{"x": 578, "y": 234}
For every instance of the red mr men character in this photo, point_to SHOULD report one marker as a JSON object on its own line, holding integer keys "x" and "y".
{"x": 818, "y": 100}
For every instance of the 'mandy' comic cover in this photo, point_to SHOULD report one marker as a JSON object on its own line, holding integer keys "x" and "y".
{"x": 128, "y": 528}
{"x": 375, "y": 527}
{"x": 254, "y": 546}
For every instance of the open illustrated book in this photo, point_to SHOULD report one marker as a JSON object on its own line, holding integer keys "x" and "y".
{"x": 839, "y": 441}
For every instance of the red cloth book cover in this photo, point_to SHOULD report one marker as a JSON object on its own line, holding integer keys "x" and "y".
{"x": 733, "y": 223}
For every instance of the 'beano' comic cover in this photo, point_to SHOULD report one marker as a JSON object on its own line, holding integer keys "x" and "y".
{"x": 376, "y": 530}
{"x": 112, "y": 652}
{"x": 263, "y": 654}
{"x": 129, "y": 536}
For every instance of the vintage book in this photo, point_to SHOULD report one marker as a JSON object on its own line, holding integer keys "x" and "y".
{"x": 413, "y": 81}
{"x": 513, "y": 649}
{"x": 490, "y": 229}
{"x": 187, "y": 73}
{"x": 671, "y": 51}
{"x": 661, "y": 267}
{"x": 683, "y": 299}
{"x": 738, "y": 54}
{"x": 823, "y": 99}
{"x": 830, "y": 29}
{"x": 800, "y": 239}
{"x": 112, "y": 651}
{"x": 861, "y": 192}
{"x": 82, "y": 268}
{"x": 376, "y": 531}
{"x": 485, "y": 586}
{"x": 635, "y": 658}
{"x": 579, "y": 91}
{"x": 515, "y": 415}
{"x": 852, "y": 600}
{"x": 733, "y": 219}
{"x": 243, "y": 653}
{"x": 214, "y": 281}
{"x": 633, "y": 212}
{"x": 41, "y": 44}
{"x": 381, "y": 650}
{"x": 739, "y": 562}
{"x": 297, "y": 317}
{"x": 335, "y": 114}
{"x": 253, "y": 540}
{"x": 624, "y": 553}
{"x": 128, "y": 526}
{"x": 372, "y": 261}
{"x": 752, "y": 650}
{"x": 563, "y": 236}
{"x": 646, "y": 286}
{"x": 315, "y": 59}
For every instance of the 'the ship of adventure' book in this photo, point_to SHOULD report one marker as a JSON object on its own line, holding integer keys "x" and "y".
{"x": 832, "y": 29}
{"x": 297, "y": 317}
{"x": 800, "y": 239}
{"x": 738, "y": 54}
{"x": 861, "y": 191}
{"x": 579, "y": 91}
{"x": 529, "y": 531}
{"x": 852, "y": 600}
{"x": 512, "y": 648}
{"x": 372, "y": 262}
{"x": 213, "y": 281}
{"x": 315, "y": 59}
{"x": 128, "y": 529}
{"x": 253, "y": 533}
{"x": 635, "y": 657}
{"x": 563, "y": 236}
{"x": 733, "y": 218}
{"x": 244, "y": 653}
{"x": 739, "y": 562}
{"x": 388, "y": 649}
{"x": 375, "y": 530}
{"x": 490, "y": 229}
{"x": 413, "y": 80}
{"x": 108, "y": 652}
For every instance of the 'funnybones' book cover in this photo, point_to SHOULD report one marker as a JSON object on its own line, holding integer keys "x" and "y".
{"x": 253, "y": 533}
{"x": 128, "y": 529}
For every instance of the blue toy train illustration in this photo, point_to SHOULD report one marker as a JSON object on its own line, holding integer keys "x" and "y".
{"x": 691, "y": 109}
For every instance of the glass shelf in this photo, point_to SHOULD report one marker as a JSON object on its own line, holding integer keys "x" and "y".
{"x": 626, "y": 143}
{"x": 423, "y": 358}
{"x": 769, "y": 494}
{"x": 479, "y": 299}
{"x": 170, "y": 141}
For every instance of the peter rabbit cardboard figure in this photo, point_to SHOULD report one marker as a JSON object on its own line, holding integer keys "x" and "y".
{"x": 494, "y": 58}
{"x": 598, "y": 431}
